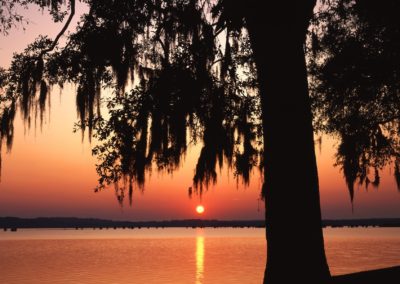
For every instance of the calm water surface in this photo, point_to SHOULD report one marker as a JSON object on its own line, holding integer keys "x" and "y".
{"x": 173, "y": 255}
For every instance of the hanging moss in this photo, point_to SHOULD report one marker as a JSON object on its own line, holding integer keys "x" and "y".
{"x": 397, "y": 173}
{"x": 168, "y": 51}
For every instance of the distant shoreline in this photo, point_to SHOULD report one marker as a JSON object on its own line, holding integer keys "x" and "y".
{"x": 80, "y": 223}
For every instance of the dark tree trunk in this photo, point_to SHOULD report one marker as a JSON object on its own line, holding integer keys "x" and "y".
{"x": 295, "y": 246}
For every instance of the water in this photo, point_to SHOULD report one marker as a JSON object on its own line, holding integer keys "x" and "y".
{"x": 173, "y": 255}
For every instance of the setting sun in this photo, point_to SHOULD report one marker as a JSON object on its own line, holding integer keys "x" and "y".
{"x": 200, "y": 209}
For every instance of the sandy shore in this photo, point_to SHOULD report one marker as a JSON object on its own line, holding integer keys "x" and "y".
{"x": 379, "y": 276}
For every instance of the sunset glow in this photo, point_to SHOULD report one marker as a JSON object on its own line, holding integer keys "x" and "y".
{"x": 200, "y": 209}
{"x": 199, "y": 259}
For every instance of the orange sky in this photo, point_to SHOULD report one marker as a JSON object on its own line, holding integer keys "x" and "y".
{"x": 50, "y": 172}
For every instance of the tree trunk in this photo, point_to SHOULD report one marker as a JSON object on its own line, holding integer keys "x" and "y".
{"x": 295, "y": 246}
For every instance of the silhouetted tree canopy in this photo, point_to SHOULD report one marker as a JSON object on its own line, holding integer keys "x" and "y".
{"x": 11, "y": 16}
{"x": 182, "y": 72}
{"x": 191, "y": 77}
{"x": 354, "y": 67}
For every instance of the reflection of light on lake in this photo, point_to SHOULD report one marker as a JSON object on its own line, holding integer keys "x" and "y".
{"x": 199, "y": 259}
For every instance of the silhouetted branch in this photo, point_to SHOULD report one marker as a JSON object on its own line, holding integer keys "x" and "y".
{"x": 55, "y": 42}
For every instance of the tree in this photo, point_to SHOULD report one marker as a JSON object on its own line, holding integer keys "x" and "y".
{"x": 234, "y": 77}
{"x": 288, "y": 138}
{"x": 184, "y": 78}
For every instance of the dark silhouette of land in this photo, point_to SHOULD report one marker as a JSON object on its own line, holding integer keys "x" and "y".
{"x": 385, "y": 275}
{"x": 72, "y": 222}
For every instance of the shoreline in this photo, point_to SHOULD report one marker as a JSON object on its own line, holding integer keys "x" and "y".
{"x": 382, "y": 276}
{"x": 79, "y": 223}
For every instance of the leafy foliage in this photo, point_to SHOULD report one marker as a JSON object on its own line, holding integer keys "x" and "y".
{"x": 10, "y": 16}
{"x": 355, "y": 87}
{"x": 192, "y": 81}
{"x": 182, "y": 72}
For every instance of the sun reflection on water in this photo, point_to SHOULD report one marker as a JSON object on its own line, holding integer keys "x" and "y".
{"x": 199, "y": 259}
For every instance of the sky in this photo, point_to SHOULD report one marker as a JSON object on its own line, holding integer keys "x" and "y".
{"x": 51, "y": 172}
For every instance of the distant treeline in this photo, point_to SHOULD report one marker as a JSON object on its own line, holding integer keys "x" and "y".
{"x": 62, "y": 222}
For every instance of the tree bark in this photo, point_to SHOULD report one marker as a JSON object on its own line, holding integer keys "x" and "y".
{"x": 295, "y": 246}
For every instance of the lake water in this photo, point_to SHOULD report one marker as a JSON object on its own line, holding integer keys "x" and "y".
{"x": 173, "y": 255}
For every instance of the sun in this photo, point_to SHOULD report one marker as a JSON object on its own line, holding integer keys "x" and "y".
{"x": 200, "y": 209}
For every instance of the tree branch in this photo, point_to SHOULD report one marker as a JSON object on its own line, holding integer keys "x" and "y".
{"x": 54, "y": 44}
